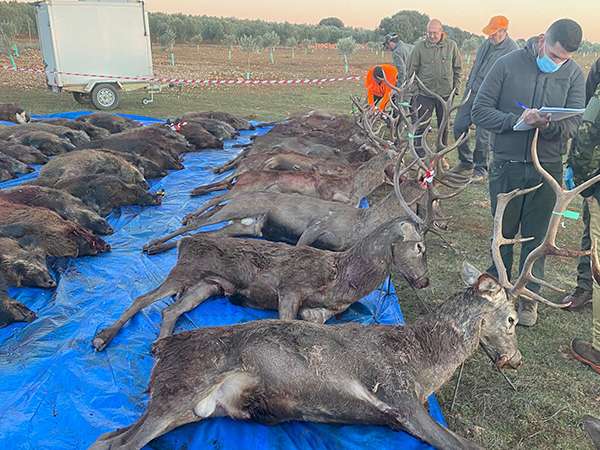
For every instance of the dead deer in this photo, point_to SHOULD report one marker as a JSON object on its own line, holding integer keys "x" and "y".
{"x": 297, "y": 281}
{"x": 350, "y": 188}
{"x": 298, "y": 219}
{"x": 274, "y": 371}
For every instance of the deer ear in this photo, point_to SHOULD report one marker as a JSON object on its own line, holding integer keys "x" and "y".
{"x": 470, "y": 274}
{"x": 488, "y": 287}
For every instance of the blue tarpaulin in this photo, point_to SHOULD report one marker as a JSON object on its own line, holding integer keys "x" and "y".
{"x": 57, "y": 393}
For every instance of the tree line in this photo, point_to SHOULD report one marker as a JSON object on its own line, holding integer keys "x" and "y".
{"x": 18, "y": 20}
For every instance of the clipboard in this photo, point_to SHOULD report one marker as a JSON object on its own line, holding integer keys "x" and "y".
{"x": 557, "y": 114}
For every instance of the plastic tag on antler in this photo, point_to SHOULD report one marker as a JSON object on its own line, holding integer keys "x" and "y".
{"x": 573, "y": 215}
{"x": 427, "y": 177}
{"x": 177, "y": 126}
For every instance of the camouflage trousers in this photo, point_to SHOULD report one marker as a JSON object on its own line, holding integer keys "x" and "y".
{"x": 591, "y": 230}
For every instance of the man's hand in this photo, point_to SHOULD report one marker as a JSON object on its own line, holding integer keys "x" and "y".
{"x": 535, "y": 119}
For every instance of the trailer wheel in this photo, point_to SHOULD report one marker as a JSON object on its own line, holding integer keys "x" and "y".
{"x": 105, "y": 96}
{"x": 81, "y": 98}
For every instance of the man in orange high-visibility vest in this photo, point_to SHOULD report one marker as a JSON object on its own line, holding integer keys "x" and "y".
{"x": 378, "y": 91}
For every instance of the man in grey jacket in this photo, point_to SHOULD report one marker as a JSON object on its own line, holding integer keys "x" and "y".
{"x": 400, "y": 54}
{"x": 541, "y": 74}
{"x": 497, "y": 45}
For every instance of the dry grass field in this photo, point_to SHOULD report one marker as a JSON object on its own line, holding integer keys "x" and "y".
{"x": 554, "y": 391}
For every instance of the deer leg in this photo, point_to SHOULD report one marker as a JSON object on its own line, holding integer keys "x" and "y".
{"x": 227, "y": 183}
{"x": 225, "y": 397}
{"x": 103, "y": 338}
{"x": 202, "y": 211}
{"x": 155, "y": 249}
{"x": 412, "y": 417}
{"x": 316, "y": 315}
{"x": 289, "y": 304}
{"x": 415, "y": 420}
{"x": 149, "y": 427}
{"x": 186, "y": 302}
{"x": 179, "y": 231}
{"x": 315, "y": 231}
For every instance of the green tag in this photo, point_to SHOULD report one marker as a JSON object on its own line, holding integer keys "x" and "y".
{"x": 404, "y": 104}
{"x": 574, "y": 215}
{"x": 411, "y": 136}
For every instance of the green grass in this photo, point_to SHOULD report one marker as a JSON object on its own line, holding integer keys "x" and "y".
{"x": 261, "y": 103}
{"x": 554, "y": 391}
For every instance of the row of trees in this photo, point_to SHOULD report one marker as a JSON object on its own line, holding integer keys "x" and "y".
{"x": 18, "y": 19}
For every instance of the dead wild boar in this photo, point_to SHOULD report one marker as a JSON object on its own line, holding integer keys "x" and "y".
{"x": 24, "y": 153}
{"x": 24, "y": 266}
{"x": 61, "y": 202}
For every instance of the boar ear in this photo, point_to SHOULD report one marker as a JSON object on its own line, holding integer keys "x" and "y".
{"x": 470, "y": 274}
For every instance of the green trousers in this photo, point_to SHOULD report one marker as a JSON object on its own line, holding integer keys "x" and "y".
{"x": 591, "y": 230}
{"x": 527, "y": 214}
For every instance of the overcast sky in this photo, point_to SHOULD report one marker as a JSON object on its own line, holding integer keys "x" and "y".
{"x": 527, "y": 17}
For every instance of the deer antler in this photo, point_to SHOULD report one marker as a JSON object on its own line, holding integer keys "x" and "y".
{"x": 548, "y": 246}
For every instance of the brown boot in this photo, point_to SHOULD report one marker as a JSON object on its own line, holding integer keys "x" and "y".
{"x": 527, "y": 313}
{"x": 585, "y": 353}
{"x": 591, "y": 426}
{"x": 578, "y": 299}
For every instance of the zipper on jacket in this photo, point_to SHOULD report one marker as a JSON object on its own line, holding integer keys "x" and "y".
{"x": 530, "y": 133}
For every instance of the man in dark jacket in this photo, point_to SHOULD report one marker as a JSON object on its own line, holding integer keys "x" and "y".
{"x": 541, "y": 74}
{"x": 497, "y": 45}
{"x": 437, "y": 62}
{"x": 400, "y": 54}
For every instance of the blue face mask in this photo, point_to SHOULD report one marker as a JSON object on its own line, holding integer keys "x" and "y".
{"x": 546, "y": 65}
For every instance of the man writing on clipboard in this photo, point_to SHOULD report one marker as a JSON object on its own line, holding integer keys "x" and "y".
{"x": 541, "y": 74}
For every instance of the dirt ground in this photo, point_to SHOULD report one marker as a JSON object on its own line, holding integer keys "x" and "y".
{"x": 554, "y": 391}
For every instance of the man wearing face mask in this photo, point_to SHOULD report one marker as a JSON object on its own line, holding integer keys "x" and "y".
{"x": 438, "y": 64}
{"x": 495, "y": 46}
{"x": 541, "y": 74}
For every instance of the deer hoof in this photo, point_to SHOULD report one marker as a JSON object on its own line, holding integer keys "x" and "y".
{"x": 100, "y": 341}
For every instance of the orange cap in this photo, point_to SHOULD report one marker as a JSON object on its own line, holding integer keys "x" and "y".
{"x": 496, "y": 23}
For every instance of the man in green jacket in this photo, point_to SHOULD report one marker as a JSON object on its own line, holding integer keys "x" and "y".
{"x": 584, "y": 161}
{"x": 438, "y": 64}
{"x": 475, "y": 162}
{"x": 541, "y": 74}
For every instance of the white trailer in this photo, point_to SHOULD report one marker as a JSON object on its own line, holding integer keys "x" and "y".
{"x": 96, "y": 49}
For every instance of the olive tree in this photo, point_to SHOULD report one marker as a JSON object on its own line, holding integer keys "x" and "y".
{"x": 229, "y": 40}
{"x": 292, "y": 43}
{"x": 248, "y": 44}
{"x": 346, "y": 47}
{"x": 270, "y": 40}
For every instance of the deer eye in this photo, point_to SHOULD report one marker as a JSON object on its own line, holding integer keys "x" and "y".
{"x": 511, "y": 321}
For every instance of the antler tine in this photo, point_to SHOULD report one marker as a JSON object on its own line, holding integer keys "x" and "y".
{"x": 463, "y": 103}
{"x": 446, "y": 105}
{"x": 411, "y": 145}
{"x": 369, "y": 117}
{"x": 356, "y": 101}
{"x": 401, "y": 200}
{"x": 548, "y": 246}
{"x": 498, "y": 239}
